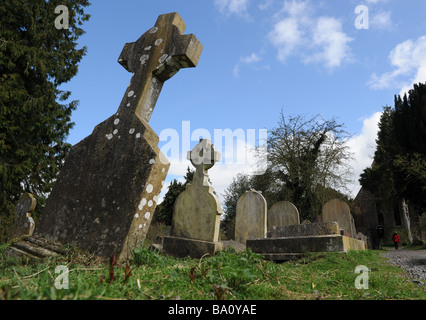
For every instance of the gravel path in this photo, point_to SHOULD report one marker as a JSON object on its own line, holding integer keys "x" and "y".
{"x": 413, "y": 261}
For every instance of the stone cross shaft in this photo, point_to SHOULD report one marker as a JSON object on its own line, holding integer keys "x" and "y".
{"x": 154, "y": 58}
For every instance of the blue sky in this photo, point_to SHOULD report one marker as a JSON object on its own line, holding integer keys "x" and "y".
{"x": 259, "y": 57}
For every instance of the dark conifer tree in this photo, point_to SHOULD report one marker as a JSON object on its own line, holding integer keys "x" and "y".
{"x": 36, "y": 57}
{"x": 164, "y": 211}
{"x": 398, "y": 174}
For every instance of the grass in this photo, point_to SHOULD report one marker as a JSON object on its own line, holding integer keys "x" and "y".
{"x": 226, "y": 276}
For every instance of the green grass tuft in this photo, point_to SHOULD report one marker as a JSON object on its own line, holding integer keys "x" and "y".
{"x": 150, "y": 274}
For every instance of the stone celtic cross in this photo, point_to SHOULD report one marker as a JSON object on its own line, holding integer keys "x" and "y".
{"x": 203, "y": 157}
{"x": 106, "y": 193}
{"x": 154, "y": 58}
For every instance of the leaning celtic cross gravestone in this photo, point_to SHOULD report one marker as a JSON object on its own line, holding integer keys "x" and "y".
{"x": 197, "y": 210}
{"x": 105, "y": 195}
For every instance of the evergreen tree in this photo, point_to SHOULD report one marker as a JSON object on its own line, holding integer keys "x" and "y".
{"x": 36, "y": 57}
{"x": 409, "y": 151}
{"x": 399, "y": 169}
{"x": 240, "y": 184}
{"x": 164, "y": 211}
{"x": 379, "y": 178}
{"x": 398, "y": 174}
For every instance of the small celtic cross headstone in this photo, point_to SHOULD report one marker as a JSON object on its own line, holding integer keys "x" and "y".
{"x": 197, "y": 210}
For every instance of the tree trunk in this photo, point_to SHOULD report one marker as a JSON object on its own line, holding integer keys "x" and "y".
{"x": 405, "y": 218}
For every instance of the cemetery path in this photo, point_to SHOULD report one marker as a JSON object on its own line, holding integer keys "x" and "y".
{"x": 413, "y": 261}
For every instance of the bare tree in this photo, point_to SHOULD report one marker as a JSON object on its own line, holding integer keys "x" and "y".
{"x": 308, "y": 164}
{"x": 310, "y": 158}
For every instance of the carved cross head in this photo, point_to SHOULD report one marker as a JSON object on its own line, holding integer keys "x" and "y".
{"x": 154, "y": 58}
{"x": 203, "y": 158}
{"x": 163, "y": 49}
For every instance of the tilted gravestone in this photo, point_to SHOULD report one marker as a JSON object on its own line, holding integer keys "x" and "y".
{"x": 337, "y": 210}
{"x": 197, "y": 210}
{"x": 105, "y": 195}
{"x": 250, "y": 219}
{"x": 24, "y": 223}
{"x": 283, "y": 213}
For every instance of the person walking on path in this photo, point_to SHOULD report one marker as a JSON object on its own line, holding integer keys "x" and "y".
{"x": 396, "y": 240}
{"x": 380, "y": 235}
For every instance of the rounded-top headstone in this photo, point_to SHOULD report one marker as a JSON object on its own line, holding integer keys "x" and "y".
{"x": 250, "y": 220}
{"x": 337, "y": 210}
{"x": 283, "y": 213}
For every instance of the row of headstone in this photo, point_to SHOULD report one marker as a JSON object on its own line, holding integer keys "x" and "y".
{"x": 287, "y": 239}
{"x": 105, "y": 195}
{"x": 254, "y": 221}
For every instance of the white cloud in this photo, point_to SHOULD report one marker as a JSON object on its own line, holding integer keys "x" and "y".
{"x": 420, "y": 77}
{"x": 265, "y": 5}
{"x": 251, "y": 59}
{"x": 316, "y": 39}
{"x": 409, "y": 61}
{"x": 236, "y": 70}
{"x": 287, "y": 37}
{"x": 332, "y": 42}
{"x": 382, "y": 20}
{"x": 254, "y": 57}
{"x": 375, "y": 1}
{"x": 297, "y": 9}
{"x": 289, "y": 33}
{"x": 363, "y": 147}
{"x": 229, "y": 7}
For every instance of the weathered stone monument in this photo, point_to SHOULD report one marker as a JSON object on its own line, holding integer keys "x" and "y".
{"x": 283, "y": 213}
{"x": 197, "y": 210}
{"x": 24, "y": 223}
{"x": 105, "y": 195}
{"x": 288, "y": 242}
{"x": 338, "y": 210}
{"x": 250, "y": 218}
